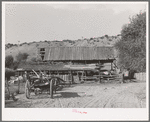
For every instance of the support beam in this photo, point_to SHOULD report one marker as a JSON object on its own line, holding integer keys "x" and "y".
{"x": 71, "y": 75}
{"x": 82, "y": 76}
{"x": 85, "y": 74}
{"x": 99, "y": 72}
{"x": 111, "y": 66}
{"x": 78, "y": 75}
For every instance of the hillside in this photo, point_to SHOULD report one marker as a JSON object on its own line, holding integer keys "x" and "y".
{"x": 31, "y": 48}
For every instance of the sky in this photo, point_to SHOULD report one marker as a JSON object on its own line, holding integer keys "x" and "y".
{"x": 28, "y": 22}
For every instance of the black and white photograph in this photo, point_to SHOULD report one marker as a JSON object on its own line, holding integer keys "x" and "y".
{"x": 75, "y": 60}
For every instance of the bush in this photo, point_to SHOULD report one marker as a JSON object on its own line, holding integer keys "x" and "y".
{"x": 15, "y": 65}
{"x": 106, "y": 36}
{"x": 102, "y": 37}
{"x": 9, "y": 61}
{"x": 9, "y": 73}
{"x": 22, "y": 56}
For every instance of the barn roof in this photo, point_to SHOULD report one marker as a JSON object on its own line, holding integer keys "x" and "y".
{"x": 58, "y": 67}
{"x": 42, "y": 67}
{"x": 78, "y": 53}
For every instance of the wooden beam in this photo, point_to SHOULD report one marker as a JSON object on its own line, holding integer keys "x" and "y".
{"x": 85, "y": 75}
{"x": 82, "y": 76}
{"x": 71, "y": 77}
{"x": 99, "y": 72}
{"x": 111, "y": 66}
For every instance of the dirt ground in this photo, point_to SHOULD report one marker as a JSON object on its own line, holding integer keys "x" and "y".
{"x": 87, "y": 95}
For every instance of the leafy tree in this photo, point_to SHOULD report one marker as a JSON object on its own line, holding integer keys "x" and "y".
{"x": 9, "y": 61}
{"x": 22, "y": 57}
{"x": 132, "y": 46}
{"x": 15, "y": 65}
{"x": 8, "y": 73}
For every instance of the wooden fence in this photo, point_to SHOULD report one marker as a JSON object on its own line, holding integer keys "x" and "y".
{"x": 65, "y": 77}
{"x": 140, "y": 76}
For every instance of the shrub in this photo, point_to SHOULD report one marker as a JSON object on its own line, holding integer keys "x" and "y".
{"x": 106, "y": 36}
{"x": 15, "y": 65}
{"x": 9, "y": 73}
{"x": 22, "y": 56}
{"x": 9, "y": 61}
{"x": 102, "y": 37}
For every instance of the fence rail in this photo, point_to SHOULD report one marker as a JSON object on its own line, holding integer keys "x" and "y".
{"x": 140, "y": 76}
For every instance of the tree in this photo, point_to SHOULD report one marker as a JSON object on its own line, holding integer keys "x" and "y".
{"x": 8, "y": 73}
{"x": 132, "y": 46}
{"x": 22, "y": 57}
{"x": 15, "y": 65}
{"x": 9, "y": 61}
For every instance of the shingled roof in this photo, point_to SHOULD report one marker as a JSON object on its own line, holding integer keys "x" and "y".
{"x": 78, "y": 53}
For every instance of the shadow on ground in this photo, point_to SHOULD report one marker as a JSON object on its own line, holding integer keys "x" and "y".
{"x": 69, "y": 94}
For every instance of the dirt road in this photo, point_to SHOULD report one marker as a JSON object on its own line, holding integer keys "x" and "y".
{"x": 88, "y": 95}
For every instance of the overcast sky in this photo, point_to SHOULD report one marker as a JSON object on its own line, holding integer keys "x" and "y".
{"x": 49, "y": 21}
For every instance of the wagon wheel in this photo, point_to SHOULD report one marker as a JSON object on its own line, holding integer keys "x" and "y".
{"x": 51, "y": 88}
{"x": 27, "y": 89}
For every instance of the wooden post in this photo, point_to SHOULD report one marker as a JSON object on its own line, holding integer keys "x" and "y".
{"x": 57, "y": 73}
{"x": 122, "y": 77}
{"x": 85, "y": 75}
{"x": 49, "y": 73}
{"x": 111, "y": 66}
{"x": 71, "y": 77}
{"x": 78, "y": 75}
{"x": 7, "y": 86}
{"x": 71, "y": 74}
{"x": 18, "y": 85}
{"x": 82, "y": 77}
{"x": 85, "y": 70}
{"x": 99, "y": 72}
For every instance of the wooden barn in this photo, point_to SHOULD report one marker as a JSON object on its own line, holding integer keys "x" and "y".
{"x": 83, "y": 55}
{"x": 73, "y": 61}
